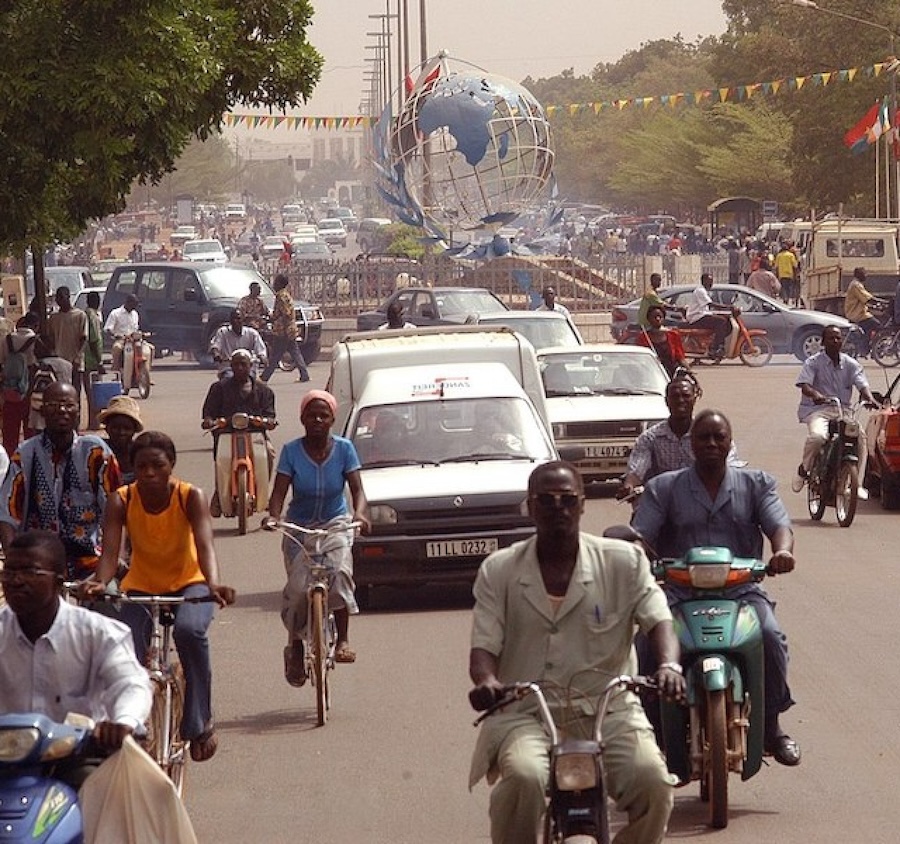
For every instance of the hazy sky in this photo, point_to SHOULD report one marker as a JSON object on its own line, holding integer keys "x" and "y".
{"x": 514, "y": 38}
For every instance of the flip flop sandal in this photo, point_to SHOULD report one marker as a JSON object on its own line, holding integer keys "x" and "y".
{"x": 204, "y": 746}
{"x": 344, "y": 654}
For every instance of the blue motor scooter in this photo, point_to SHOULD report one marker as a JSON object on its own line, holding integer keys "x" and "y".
{"x": 721, "y": 729}
{"x": 35, "y": 806}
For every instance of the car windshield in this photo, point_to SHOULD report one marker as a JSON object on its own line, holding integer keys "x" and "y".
{"x": 307, "y": 248}
{"x": 541, "y": 333}
{"x": 202, "y": 246}
{"x": 602, "y": 374}
{"x": 222, "y": 282}
{"x": 460, "y": 302}
{"x": 330, "y": 224}
{"x": 449, "y": 431}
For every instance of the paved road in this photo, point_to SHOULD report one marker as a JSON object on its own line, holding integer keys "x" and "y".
{"x": 391, "y": 765}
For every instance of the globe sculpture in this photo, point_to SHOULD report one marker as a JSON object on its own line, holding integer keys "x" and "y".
{"x": 469, "y": 150}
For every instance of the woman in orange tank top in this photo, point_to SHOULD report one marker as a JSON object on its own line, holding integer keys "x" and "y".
{"x": 171, "y": 535}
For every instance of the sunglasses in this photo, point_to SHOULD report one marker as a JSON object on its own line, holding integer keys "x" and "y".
{"x": 9, "y": 575}
{"x": 557, "y": 499}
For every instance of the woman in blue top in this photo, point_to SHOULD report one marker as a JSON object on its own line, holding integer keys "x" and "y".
{"x": 316, "y": 467}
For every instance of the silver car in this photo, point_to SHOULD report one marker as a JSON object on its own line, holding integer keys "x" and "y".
{"x": 790, "y": 330}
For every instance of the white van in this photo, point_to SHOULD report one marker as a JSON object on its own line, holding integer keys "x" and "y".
{"x": 448, "y": 424}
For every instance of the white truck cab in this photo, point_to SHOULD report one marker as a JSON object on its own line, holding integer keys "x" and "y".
{"x": 836, "y": 247}
{"x": 448, "y": 424}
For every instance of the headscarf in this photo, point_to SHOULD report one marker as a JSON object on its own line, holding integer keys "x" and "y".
{"x": 321, "y": 395}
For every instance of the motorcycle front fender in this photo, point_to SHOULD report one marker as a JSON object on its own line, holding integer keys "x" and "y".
{"x": 715, "y": 673}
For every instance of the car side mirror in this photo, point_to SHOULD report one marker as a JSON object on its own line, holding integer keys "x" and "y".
{"x": 190, "y": 294}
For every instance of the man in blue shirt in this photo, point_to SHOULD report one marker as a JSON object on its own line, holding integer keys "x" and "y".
{"x": 712, "y": 503}
{"x": 827, "y": 374}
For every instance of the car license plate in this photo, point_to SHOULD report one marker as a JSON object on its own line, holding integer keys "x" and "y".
{"x": 606, "y": 450}
{"x": 461, "y": 547}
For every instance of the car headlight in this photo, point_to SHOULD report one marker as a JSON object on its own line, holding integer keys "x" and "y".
{"x": 576, "y": 771}
{"x": 16, "y": 745}
{"x": 559, "y": 430}
{"x": 382, "y": 514}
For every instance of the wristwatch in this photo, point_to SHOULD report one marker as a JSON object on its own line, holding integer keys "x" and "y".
{"x": 672, "y": 666}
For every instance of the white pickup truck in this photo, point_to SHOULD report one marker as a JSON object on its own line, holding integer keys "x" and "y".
{"x": 449, "y": 423}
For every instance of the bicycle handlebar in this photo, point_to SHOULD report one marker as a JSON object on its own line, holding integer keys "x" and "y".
{"x": 71, "y": 587}
{"x": 268, "y": 523}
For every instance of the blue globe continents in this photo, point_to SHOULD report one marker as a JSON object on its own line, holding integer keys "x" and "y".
{"x": 468, "y": 150}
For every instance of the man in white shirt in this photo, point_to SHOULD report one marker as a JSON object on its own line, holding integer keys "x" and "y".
{"x": 700, "y": 313}
{"x": 233, "y": 336}
{"x": 59, "y": 658}
{"x": 548, "y": 294}
{"x": 121, "y": 322}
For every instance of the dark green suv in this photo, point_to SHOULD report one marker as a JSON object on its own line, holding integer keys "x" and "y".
{"x": 182, "y": 304}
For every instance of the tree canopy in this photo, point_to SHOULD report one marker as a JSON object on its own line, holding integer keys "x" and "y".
{"x": 787, "y": 147}
{"x": 99, "y": 93}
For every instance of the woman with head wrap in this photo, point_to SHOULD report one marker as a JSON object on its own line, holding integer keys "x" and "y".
{"x": 316, "y": 467}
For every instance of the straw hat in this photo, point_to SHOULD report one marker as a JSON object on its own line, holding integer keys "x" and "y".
{"x": 122, "y": 406}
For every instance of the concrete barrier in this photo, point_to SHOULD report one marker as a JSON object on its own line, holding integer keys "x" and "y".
{"x": 595, "y": 327}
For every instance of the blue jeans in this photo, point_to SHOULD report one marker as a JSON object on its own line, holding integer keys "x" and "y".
{"x": 280, "y": 345}
{"x": 191, "y": 623}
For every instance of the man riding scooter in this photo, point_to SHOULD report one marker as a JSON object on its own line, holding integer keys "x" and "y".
{"x": 242, "y": 393}
{"x": 700, "y": 314}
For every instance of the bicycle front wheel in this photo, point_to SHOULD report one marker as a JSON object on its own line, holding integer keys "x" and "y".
{"x": 164, "y": 741}
{"x": 319, "y": 645}
{"x": 885, "y": 350}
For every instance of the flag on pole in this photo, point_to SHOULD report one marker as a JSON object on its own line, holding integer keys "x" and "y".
{"x": 882, "y": 124}
{"x": 857, "y": 138}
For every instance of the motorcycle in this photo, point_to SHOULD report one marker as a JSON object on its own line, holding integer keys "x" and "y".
{"x": 36, "y": 806}
{"x": 721, "y": 729}
{"x": 879, "y": 342}
{"x": 751, "y": 345}
{"x": 576, "y": 795}
{"x": 136, "y": 357}
{"x": 243, "y": 472}
{"x": 834, "y": 478}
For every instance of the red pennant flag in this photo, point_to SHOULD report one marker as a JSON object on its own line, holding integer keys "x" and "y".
{"x": 856, "y": 138}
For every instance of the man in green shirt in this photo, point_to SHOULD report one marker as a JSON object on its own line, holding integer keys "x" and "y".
{"x": 651, "y": 297}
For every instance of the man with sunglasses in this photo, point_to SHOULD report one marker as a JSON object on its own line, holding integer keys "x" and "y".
{"x": 562, "y": 608}
{"x": 712, "y": 503}
{"x": 59, "y": 658}
{"x": 59, "y": 481}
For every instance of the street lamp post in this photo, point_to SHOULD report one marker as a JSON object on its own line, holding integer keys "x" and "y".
{"x": 811, "y": 4}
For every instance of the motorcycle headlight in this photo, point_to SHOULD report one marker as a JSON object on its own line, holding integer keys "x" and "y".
{"x": 240, "y": 421}
{"x": 16, "y": 745}
{"x": 59, "y": 748}
{"x": 576, "y": 772}
{"x": 851, "y": 428}
{"x": 382, "y": 514}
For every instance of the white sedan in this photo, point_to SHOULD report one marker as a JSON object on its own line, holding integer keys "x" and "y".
{"x": 601, "y": 397}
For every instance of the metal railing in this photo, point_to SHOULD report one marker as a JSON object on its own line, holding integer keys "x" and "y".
{"x": 346, "y": 287}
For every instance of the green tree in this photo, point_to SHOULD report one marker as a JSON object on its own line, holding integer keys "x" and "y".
{"x": 768, "y": 40}
{"x": 205, "y": 170}
{"x": 99, "y": 93}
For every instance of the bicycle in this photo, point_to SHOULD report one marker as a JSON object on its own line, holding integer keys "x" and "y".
{"x": 320, "y": 643}
{"x": 163, "y": 741}
{"x": 886, "y": 346}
